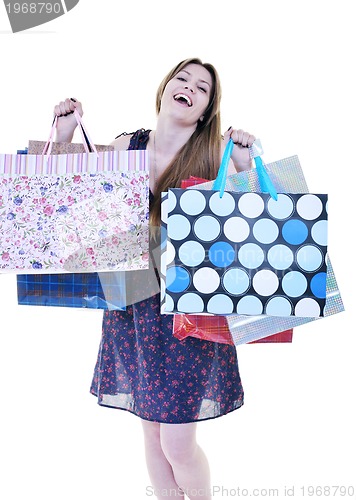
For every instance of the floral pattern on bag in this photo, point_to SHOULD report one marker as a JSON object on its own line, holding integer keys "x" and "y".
{"x": 74, "y": 222}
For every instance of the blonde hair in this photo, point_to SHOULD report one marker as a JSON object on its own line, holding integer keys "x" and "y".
{"x": 200, "y": 156}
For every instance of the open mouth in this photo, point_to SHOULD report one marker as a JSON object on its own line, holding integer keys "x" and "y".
{"x": 184, "y": 99}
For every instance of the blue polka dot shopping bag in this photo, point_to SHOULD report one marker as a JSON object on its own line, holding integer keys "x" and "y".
{"x": 251, "y": 246}
{"x": 215, "y": 327}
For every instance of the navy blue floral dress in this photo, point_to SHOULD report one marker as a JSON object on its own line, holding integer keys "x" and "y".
{"x": 144, "y": 369}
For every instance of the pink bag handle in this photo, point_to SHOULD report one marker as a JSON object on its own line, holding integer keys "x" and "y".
{"x": 87, "y": 142}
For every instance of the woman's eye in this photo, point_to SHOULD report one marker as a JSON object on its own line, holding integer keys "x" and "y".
{"x": 181, "y": 78}
{"x": 203, "y": 89}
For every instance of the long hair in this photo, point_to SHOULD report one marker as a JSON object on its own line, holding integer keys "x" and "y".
{"x": 200, "y": 156}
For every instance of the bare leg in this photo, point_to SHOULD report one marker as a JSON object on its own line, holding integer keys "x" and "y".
{"x": 189, "y": 463}
{"x": 159, "y": 468}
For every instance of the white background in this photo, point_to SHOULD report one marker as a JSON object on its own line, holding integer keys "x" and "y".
{"x": 287, "y": 75}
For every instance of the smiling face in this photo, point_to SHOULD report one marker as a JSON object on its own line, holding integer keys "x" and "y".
{"x": 187, "y": 94}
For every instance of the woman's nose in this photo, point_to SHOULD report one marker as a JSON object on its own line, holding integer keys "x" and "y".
{"x": 188, "y": 87}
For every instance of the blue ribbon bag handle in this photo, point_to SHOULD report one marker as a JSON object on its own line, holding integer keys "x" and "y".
{"x": 266, "y": 184}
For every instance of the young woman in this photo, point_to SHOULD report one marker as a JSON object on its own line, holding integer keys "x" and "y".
{"x": 170, "y": 384}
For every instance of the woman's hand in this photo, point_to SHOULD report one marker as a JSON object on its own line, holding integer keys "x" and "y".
{"x": 240, "y": 153}
{"x": 66, "y": 122}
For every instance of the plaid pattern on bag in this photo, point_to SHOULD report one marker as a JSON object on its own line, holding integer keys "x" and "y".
{"x": 72, "y": 290}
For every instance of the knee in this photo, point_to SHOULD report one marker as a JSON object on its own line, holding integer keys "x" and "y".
{"x": 178, "y": 450}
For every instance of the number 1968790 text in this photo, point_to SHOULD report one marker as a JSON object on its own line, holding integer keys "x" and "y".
{"x": 34, "y": 8}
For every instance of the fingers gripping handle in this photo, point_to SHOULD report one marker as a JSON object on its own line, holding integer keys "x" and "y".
{"x": 87, "y": 142}
{"x": 255, "y": 152}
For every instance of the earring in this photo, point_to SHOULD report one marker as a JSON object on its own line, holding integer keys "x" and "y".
{"x": 201, "y": 118}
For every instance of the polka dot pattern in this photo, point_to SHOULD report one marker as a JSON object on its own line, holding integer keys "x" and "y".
{"x": 236, "y": 281}
{"x": 207, "y": 228}
{"x": 179, "y": 227}
{"x": 236, "y": 229}
{"x": 221, "y": 254}
{"x": 250, "y": 305}
{"x": 309, "y": 206}
{"x": 191, "y": 253}
{"x": 193, "y": 203}
{"x": 222, "y": 206}
{"x": 244, "y": 253}
{"x": 282, "y": 208}
{"x": 206, "y": 280}
{"x": 265, "y": 231}
{"x": 190, "y": 303}
{"x": 279, "y": 306}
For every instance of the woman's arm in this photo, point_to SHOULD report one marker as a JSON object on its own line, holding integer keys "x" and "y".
{"x": 67, "y": 124}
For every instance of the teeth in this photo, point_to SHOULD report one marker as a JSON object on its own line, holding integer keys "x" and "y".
{"x": 183, "y": 96}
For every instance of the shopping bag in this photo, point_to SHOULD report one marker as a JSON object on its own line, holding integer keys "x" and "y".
{"x": 83, "y": 290}
{"x": 74, "y": 212}
{"x": 217, "y": 329}
{"x": 287, "y": 175}
{"x": 246, "y": 253}
{"x": 213, "y": 328}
